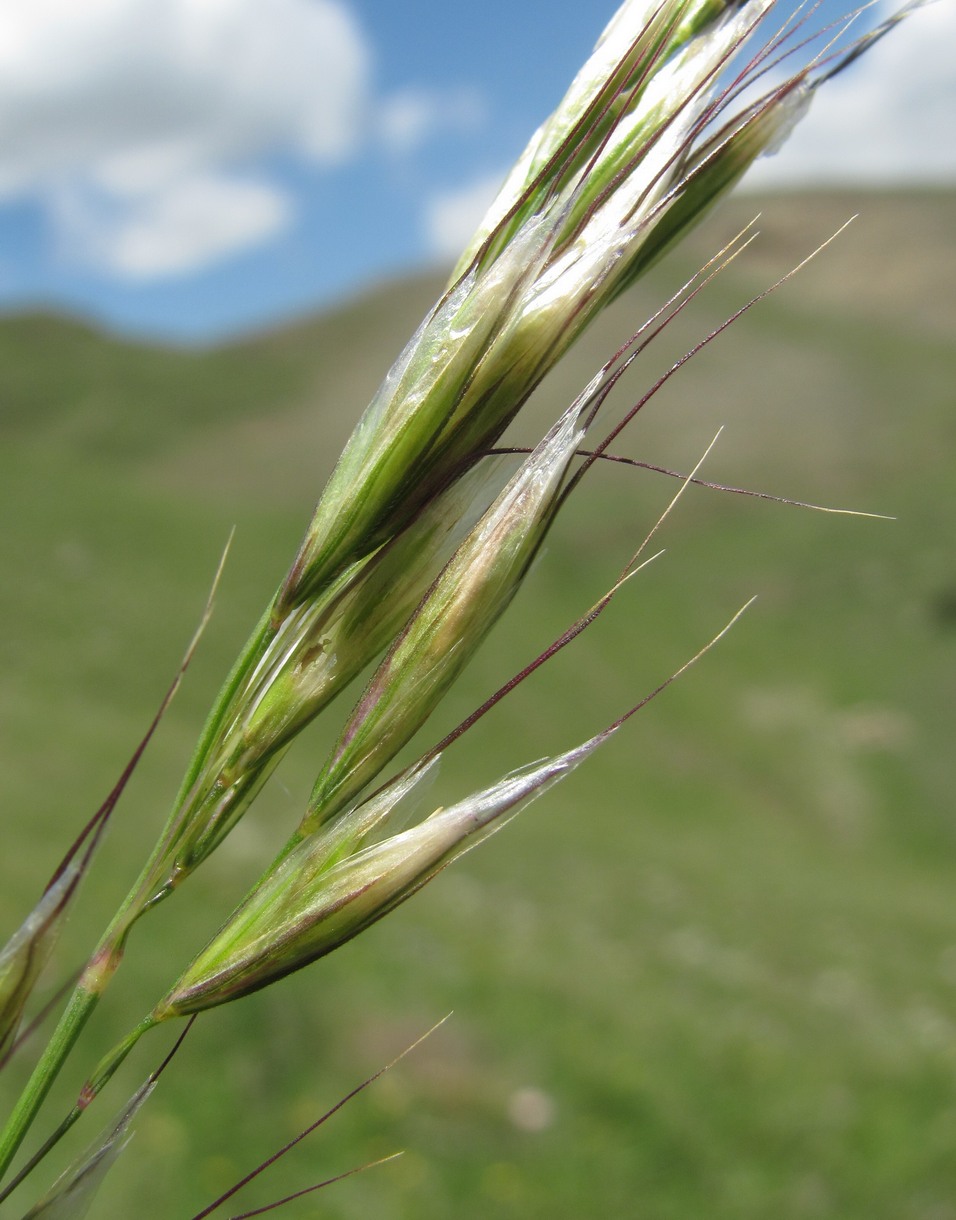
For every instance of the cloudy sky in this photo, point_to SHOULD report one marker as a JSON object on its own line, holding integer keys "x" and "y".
{"x": 196, "y": 168}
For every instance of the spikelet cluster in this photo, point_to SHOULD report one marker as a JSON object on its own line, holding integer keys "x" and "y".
{"x": 420, "y": 539}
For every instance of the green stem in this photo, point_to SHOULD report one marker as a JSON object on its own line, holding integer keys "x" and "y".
{"x": 93, "y": 982}
{"x": 109, "y": 953}
{"x": 103, "y": 1073}
{"x": 77, "y": 1013}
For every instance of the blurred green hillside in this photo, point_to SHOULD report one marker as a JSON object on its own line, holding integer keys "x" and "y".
{"x": 714, "y": 973}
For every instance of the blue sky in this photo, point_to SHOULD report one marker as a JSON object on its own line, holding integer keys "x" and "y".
{"x": 193, "y": 169}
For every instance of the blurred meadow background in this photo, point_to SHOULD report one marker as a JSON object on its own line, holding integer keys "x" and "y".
{"x": 713, "y": 973}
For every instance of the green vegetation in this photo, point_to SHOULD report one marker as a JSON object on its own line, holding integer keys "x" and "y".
{"x": 713, "y": 975}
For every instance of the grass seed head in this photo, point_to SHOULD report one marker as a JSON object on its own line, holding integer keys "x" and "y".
{"x": 314, "y": 900}
{"x": 637, "y": 151}
{"x": 320, "y": 647}
{"x": 574, "y": 222}
{"x": 452, "y": 620}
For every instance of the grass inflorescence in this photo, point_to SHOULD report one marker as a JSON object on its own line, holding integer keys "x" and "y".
{"x": 419, "y": 542}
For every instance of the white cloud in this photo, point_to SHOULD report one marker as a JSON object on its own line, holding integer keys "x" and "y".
{"x": 148, "y": 110}
{"x": 451, "y": 217}
{"x": 409, "y": 117}
{"x": 184, "y": 225}
{"x": 887, "y": 119}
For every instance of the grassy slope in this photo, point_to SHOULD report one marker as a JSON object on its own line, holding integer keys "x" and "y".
{"x": 725, "y": 954}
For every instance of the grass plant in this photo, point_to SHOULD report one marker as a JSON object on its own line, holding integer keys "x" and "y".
{"x": 419, "y": 541}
